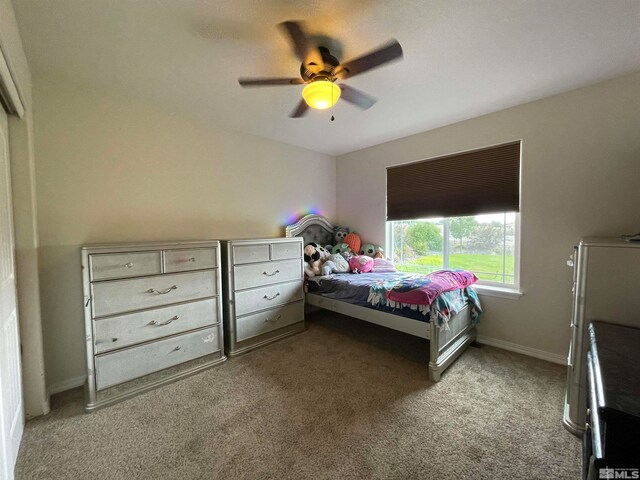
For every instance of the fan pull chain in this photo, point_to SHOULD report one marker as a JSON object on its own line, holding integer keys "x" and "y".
{"x": 332, "y": 104}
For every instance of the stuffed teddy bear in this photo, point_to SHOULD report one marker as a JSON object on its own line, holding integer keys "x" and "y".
{"x": 361, "y": 264}
{"x": 340, "y": 233}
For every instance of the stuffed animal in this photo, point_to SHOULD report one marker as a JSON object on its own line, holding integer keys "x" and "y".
{"x": 371, "y": 250}
{"x": 340, "y": 233}
{"x": 341, "y": 264}
{"x": 328, "y": 248}
{"x": 324, "y": 253}
{"x": 312, "y": 260}
{"x": 328, "y": 268}
{"x": 353, "y": 240}
{"x": 368, "y": 249}
{"x": 339, "y": 248}
{"x": 343, "y": 250}
{"x": 361, "y": 264}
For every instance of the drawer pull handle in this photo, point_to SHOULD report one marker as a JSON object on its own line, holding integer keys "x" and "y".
{"x": 192, "y": 259}
{"x": 271, "y": 298}
{"x": 177, "y": 348}
{"x": 128, "y": 265}
{"x": 271, "y": 274}
{"x": 158, "y": 292}
{"x": 267, "y": 320}
{"x": 114, "y": 339}
{"x": 158, "y": 324}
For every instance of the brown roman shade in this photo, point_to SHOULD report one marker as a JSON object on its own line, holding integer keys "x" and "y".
{"x": 470, "y": 183}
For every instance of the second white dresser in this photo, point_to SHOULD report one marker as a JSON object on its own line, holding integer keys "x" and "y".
{"x": 263, "y": 286}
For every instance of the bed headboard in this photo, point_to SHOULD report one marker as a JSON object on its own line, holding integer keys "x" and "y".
{"x": 313, "y": 228}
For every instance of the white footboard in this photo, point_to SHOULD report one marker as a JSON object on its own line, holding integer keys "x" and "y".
{"x": 445, "y": 345}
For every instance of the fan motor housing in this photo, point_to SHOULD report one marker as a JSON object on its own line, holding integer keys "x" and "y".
{"x": 330, "y": 63}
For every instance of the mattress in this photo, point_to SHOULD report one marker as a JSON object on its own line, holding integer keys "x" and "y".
{"x": 356, "y": 289}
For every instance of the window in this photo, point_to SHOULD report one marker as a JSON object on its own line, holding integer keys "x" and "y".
{"x": 458, "y": 211}
{"x": 484, "y": 244}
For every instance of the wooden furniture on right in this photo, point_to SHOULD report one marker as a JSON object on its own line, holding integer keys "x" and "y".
{"x": 606, "y": 278}
{"x": 612, "y": 437}
{"x": 264, "y": 300}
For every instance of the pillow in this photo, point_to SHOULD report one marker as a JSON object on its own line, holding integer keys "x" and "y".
{"x": 361, "y": 264}
{"x": 382, "y": 265}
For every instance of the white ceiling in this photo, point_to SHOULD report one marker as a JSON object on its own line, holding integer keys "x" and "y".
{"x": 462, "y": 58}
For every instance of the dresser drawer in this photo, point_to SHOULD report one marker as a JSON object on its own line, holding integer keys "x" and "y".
{"x": 283, "y": 250}
{"x": 117, "y": 367}
{"x": 251, "y": 253}
{"x": 259, "y": 274}
{"x": 250, "y": 301}
{"x": 122, "y": 265}
{"x": 263, "y": 322}
{"x": 119, "y": 296}
{"x": 125, "y": 330}
{"x": 185, "y": 260}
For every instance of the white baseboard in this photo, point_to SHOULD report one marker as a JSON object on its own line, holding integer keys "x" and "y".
{"x": 67, "y": 384}
{"x": 78, "y": 381}
{"x": 531, "y": 352}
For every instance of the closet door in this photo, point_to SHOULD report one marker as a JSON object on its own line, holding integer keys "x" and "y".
{"x": 11, "y": 404}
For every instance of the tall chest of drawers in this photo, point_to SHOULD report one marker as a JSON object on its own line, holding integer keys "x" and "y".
{"x": 153, "y": 315}
{"x": 263, "y": 286}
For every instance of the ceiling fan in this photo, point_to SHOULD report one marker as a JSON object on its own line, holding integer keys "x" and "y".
{"x": 320, "y": 70}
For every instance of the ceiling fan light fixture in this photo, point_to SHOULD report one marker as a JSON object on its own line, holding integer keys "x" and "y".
{"x": 321, "y": 94}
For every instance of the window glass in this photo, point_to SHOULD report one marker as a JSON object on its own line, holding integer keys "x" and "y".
{"x": 483, "y": 244}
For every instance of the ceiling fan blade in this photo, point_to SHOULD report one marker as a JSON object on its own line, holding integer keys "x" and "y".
{"x": 303, "y": 48}
{"x": 389, "y": 52}
{"x": 358, "y": 98}
{"x": 300, "y": 110}
{"x": 265, "y": 82}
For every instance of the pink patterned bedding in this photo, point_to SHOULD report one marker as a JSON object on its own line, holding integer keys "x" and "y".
{"x": 423, "y": 289}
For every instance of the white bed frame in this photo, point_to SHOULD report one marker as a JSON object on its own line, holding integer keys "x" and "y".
{"x": 444, "y": 345}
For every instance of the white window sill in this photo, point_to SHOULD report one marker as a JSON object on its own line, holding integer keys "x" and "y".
{"x": 502, "y": 292}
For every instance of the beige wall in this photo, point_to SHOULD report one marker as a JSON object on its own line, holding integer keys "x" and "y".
{"x": 110, "y": 170}
{"x": 580, "y": 176}
{"x": 36, "y": 399}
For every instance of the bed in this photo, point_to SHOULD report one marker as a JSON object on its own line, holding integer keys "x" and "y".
{"x": 446, "y": 342}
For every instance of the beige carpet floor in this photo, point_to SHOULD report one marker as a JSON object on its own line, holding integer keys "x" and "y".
{"x": 343, "y": 400}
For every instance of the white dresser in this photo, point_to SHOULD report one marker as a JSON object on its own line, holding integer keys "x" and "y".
{"x": 263, "y": 286}
{"x": 606, "y": 288}
{"x": 153, "y": 315}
